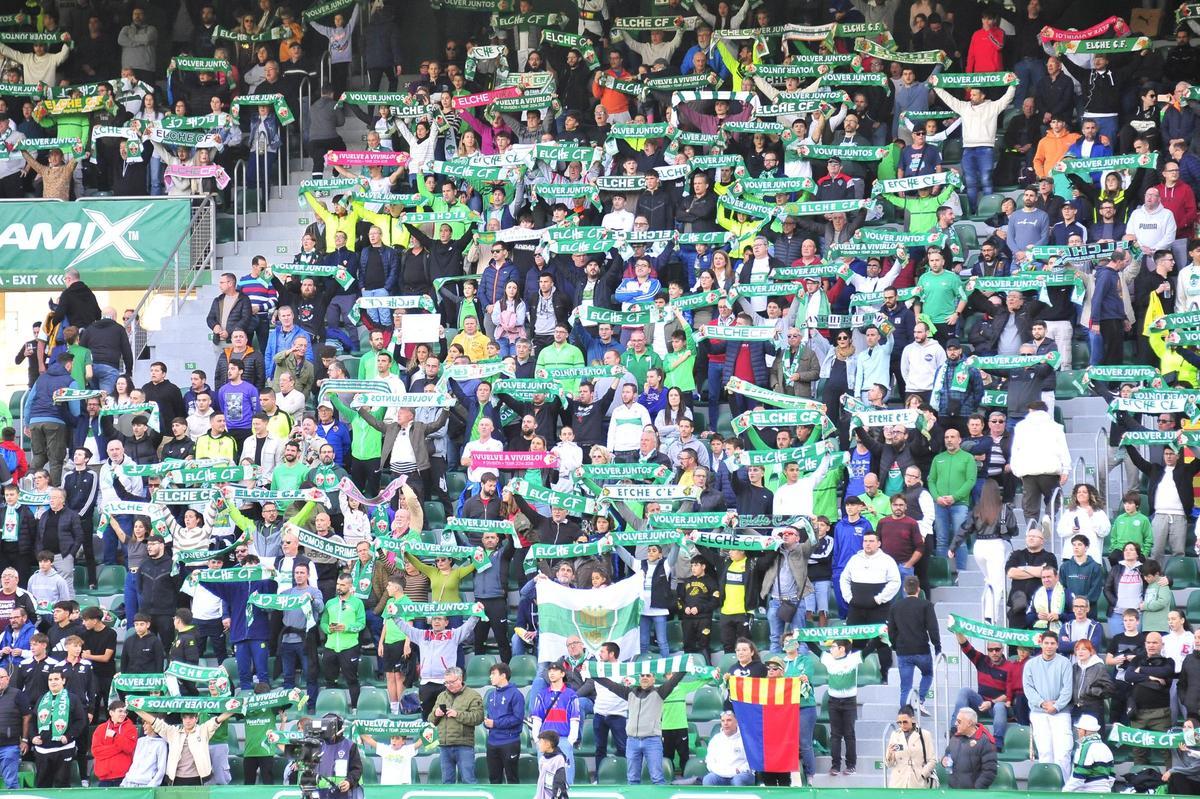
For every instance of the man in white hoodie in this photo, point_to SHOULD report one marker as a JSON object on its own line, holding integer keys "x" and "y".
{"x": 1152, "y": 226}
{"x": 869, "y": 583}
{"x": 979, "y": 133}
{"x": 1040, "y": 457}
{"x": 920, "y": 361}
{"x": 626, "y": 424}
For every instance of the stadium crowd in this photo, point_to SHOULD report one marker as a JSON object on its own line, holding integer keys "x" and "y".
{"x": 722, "y": 299}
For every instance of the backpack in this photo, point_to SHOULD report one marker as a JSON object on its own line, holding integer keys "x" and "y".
{"x": 10, "y": 459}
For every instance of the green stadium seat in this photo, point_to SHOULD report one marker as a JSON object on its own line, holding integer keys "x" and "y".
{"x": 707, "y": 704}
{"x": 821, "y": 735}
{"x": 80, "y": 579}
{"x": 820, "y": 675}
{"x": 524, "y": 669}
{"x": 1006, "y": 780}
{"x": 989, "y": 205}
{"x": 1045, "y": 777}
{"x": 1182, "y": 572}
{"x": 478, "y": 667}
{"x": 611, "y": 771}
{"x": 230, "y": 666}
{"x": 823, "y": 710}
{"x": 110, "y": 579}
{"x": 366, "y": 669}
{"x": 967, "y": 235}
{"x": 333, "y": 700}
{"x": 373, "y": 703}
{"x": 1193, "y": 607}
{"x": 726, "y": 661}
{"x": 434, "y": 777}
{"x": 675, "y": 635}
{"x": 527, "y": 769}
{"x": 952, "y": 150}
{"x": 370, "y": 775}
{"x": 869, "y": 672}
{"x": 760, "y": 633}
{"x": 1016, "y": 744}
{"x": 435, "y": 516}
{"x": 940, "y": 575}
{"x": 695, "y": 769}
{"x": 237, "y": 774}
{"x": 587, "y": 739}
{"x": 456, "y": 481}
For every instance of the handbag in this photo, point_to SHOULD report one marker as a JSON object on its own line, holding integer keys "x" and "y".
{"x": 786, "y": 610}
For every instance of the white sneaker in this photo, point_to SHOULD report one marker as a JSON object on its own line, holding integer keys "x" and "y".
{"x": 924, "y": 711}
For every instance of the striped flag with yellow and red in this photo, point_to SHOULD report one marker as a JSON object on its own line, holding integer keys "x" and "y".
{"x": 763, "y": 704}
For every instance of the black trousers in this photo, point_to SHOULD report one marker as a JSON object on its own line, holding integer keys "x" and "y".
{"x": 697, "y": 630}
{"x": 54, "y": 770}
{"x": 872, "y": 616}
{"x": 1037, "y": 488}
{"x": 843, "y": 712}
{"x": 675, "y": 742}
{"x": 164, "y": 628}
{"x": 318, "y": 148}
{"x": 435, "y": 485}
{"x": 259, "y": 770}
{"x": 89, "y": 547}
{"x": 344, "y": 663}
{"x": 502, "y": 761}
{"x": 496, "y": 609}
{"x": 428, "y": 694}
{"x": 733, "y": 627}
{"x": 365, "y": 474}
{"x": 1112, "y": 333}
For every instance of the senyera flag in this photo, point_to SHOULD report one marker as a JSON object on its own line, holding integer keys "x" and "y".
{"x": 768, "y": 715}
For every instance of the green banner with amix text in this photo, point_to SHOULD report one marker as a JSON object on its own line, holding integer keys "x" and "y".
{"x": 115, "y": 244}
{"x": 441, "y": 791}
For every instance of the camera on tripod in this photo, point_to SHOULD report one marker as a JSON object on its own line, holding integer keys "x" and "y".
{"x": 306, "y": 752}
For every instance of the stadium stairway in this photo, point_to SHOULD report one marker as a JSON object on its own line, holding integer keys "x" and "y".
{"x": 178, "y": 343}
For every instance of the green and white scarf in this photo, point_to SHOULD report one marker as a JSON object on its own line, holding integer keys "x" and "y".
{"x": 1144, "y": 739}
{"x": 988, "y": 632}
{"x": 1171, "y": 321}
{"x": 713, "y": 520}
{"x": 965, "y": 80}
{"x": 140, "y": 683}
{"x": 777, "y": 418}
{"x": 277, "y": 102}
{"x": 1123, "y": 373}
{"x": 564, "y": 552}
{"x": 388, "y": 727}
{"x": 301, "y": 602}
{"x": 625, "y": 471}
{"x": 186, "y": 704}
{"x": 339, "y": 550}
{"x": 900, "y": 185}
{"x": 408, "y": 302}
{"x": 678, "y": 83}
{"x": 853, "y": 632}
{"x": 190, "y": 673}
{"x": 647, "y": 493}
{"x": 1008, "y": 363}
{"x": 869, "y": 48}
{"x": 148, "y": 408}
{"x": 344, "y": 278}
{"x": 575, "y": 504}
{"x": 213, "y": 474}
{"x": 906, "y": 417}
{"x": 54, "y": 714}
{"x": 456, "y": 524}
{"x": 1129, "y": 44}
{"x": 1154, "y": 402}
{"x": 768, "y": 397}
{"x": 746, "y": 543}
{"x": 738, "y": 205}
{"x": 808, "y": 457}
{"x": 418, "y": 610}
{"x": 645, "y": 538}
{"x": 573, "y": 41}
{"x": 660, "y": 667}
{"x": 846, "y": 152}
{"x": 743, "y": 333}
{"x": 273, "y": 35}
{"x": 325, "y": 9}
{"x": 1107, "y": 163}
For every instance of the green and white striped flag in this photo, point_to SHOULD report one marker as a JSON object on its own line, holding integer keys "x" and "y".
{"x": 596, "y": 615}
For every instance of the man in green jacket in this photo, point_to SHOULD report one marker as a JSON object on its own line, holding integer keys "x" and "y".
{"x": 456, "y": 713}
{"x": 343, "y": 619}
{"x": 951, "y": 479}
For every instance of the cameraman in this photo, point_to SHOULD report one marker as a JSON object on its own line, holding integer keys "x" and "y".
{"x": 340, "y": 765}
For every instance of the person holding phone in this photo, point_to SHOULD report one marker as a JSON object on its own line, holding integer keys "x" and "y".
{"x": 910, "y": 755}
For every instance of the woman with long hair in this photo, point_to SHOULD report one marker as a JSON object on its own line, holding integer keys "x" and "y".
{"x": 508, "y": 317}
{"x": 993, "y": 524}
{"x": 667, "y": 420}
{"x": 747, "y": 662}
{"x": 1124, "y": 587}
{"x": 133, "y": 541}
{"x": 1084, "y": 518}
{"x": 706, "y": 281}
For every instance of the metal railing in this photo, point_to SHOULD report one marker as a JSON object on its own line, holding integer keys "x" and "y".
{"x": 180, "y": 279}
{"x": 324, "y": 70}
{"x": 1055, "y": 507}
{"x": 887, "y": 736}
{"x": 239, "y": 196}
{"x": 1103, "y": 464}
{"x": 941, "y": 699}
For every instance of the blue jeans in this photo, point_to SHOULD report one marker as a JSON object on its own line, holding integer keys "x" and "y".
{"x": 818, "y": 600}
{"x": 293, "y": 656}
{"x": 602, "y": 726}
{"x": 907, "y": 664}
{"x": 660, "y": 632}
{"x": 568, "y": 750}
{"x": 808, "y": 758}
{"x": 1108, "y": 127}
{"x": 112, "y": 544}
{"x": 905, "y": 571}
{"x": 741, "y": 780}
{"x": 251, "y": 656}
{"x": 131, "y": 595}
{"x": 105, "y": 377}
{"x": 461, "y": 758}
{"x": 1095, "y": 347}
{"x": 715, "y": 372}
{"x": 211, "y": 630}
{"x": 946, "y": 522}
{"x": 972, "y": 699}
{"x": 1029, "y": 72}
{"x": 651, "y": 750}
{"x": 507, "y": 346}
{"x": 10, "y": 762}
{"x": 380, "y": 316}
{"x": 977, "y": 172}
{"x": 779, "y": 627}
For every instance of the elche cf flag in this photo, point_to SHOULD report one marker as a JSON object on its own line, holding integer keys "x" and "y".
{"x": 768, "y": 715}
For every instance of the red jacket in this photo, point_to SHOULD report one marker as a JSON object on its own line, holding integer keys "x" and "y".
{"x": 984, "y": 54}
{"x": 114, "y": 754}
{"x": 22, "y": 464}
{"x": 1180, "y": 200}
